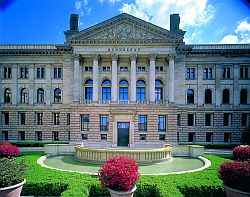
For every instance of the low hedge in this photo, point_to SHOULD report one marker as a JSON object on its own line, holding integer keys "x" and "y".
{"x": 213, "y": 146}
{"x": 34, "y": 144}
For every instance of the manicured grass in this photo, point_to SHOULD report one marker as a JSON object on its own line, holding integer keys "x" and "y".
{"x": 44, "y": 181}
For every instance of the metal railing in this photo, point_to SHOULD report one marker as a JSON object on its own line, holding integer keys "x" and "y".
{"x": 220, "y": 46}
{"x": 27, "y": 46}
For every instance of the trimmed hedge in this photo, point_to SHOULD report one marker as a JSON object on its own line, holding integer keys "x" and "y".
{"x": 34, "y": 144}
{"x": 213, "y": 146}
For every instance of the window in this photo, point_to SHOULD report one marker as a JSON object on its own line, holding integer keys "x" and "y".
{"x": 190, "y": 96}
{"x": 84, "y": 136}
{"x": 56, "y": 117}
{"x": 143, "y": 137}
{"x": 7, "y": 95}
{"x": 190, "y": 73}
{"x": 89, "y": 90}
{"x": 21, "y": 135}
{"x": 22, "y": 117}
{"x": 158, "y": 90}
{"x": 159, "y": 69}
{"x": 39, "y": 136}
{"x": 84, "y": 122}
{"x": 106, "y": 90}
{"x": 7, "y": 72}
{"x": 142, "y": 123}
{"x": 162, "y": 137}
{"x": 141, "y": 69}
{"x": 207, "y": 73}
{"x": 40, "y": 73}
{"x": 104, "y": 137}
{"x": 55, "y": 135}
{"x": 227, "y": 137}
{"x": 39, "y": 118}
{"x": 123, "y": 69}
{"x": 40, "y": 95}
{"x": 57, "y": 95}
{"x": 140, "y": 90}
{"x": 106, "y": 69}
{"x": 225, "y": 73}
{"x": 208, "y": 96}
{"x": 226, "y": 96}
{"x": 68, "y": 119}
{"x": 209, "y": 137}
{"x": 161, "y": 123}
{"x": 243, "y": 96}
{"x": 245, "y": 119}
{"x": 6, "y": 117}
{"x": 227, "y": 119}
{"x": 88, "y": 68}
{"x": 191, "y": 136}
{"x": 123, "y": 90}
{"x": 58, "y": 73}
{"x": 178, "y": 119}
{"x": 5, "y": 135}
{"x": 104, "y": 122}
{"x": 23, "y": 72}
{"x": 208, "y": 119}
{"x": 191, "y": 120}
{"x": 178, "y": 136}
{"x": 244, "y": 72}
{"x": 24, "y": 95}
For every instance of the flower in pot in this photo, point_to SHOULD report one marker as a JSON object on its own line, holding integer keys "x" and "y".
{"x": 236, "y": 178}
{"x": 12, "y": 171}
{"x": 119, "y": 175}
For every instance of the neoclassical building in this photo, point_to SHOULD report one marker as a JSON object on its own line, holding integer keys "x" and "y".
{"x": 125, "y": 82}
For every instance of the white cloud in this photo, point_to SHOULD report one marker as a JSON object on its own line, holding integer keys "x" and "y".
{"x": 113, "y": 1}
{"x": 82, "y": 7}
{"x": 78, "y": 5}
{"x": 230, "y": 39}
{"x": 101, "y": 1}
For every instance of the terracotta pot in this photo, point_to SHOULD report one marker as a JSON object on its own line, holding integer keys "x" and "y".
{"x": 235, "y": 193}
{"x": 129, "y": 193}
{"x": 12, "y": 191}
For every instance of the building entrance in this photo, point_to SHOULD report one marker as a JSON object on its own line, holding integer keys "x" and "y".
{"x": 122, "y": 133}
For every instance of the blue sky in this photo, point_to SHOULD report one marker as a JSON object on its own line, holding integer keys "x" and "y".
{"x": 44, "y": 21}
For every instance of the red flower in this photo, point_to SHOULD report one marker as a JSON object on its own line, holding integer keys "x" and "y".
{"x": 241, "y": 153}
{"x": 119, "y": 173}
{"x": 5, "y": 144}
{"x": 9, "y": 151}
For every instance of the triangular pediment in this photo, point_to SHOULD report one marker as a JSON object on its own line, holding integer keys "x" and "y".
{"x": 124, "y": 27}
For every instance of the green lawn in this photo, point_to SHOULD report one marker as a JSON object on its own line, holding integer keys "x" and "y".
{"x": 45, "y": 182}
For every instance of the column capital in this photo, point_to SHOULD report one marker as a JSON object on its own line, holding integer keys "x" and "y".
{"x": 95, "y": 56}
{"x": 76, "y": 56}
{"x": 133, "y": 57}
{"x": 171, "y": 56}
{"x": 32, "y": 66}
{"x": 114, "y": 57}
{"x": 152, "y": 56}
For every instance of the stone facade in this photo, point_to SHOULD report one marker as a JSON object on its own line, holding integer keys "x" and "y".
{"x": 180, "y": 90}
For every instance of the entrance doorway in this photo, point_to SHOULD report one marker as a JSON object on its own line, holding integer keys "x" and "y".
{"x": 123, "y": 133}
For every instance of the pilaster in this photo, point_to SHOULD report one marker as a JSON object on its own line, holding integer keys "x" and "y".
{"x": 31, "y": 84}
{"x": 218, "y": 97}
{"x": 114, "y": 58}
{"x": 76, "y": 79}
{"x": 48, "y": 85}
{"x": 133, "y": 58}
{"x": 14, "y": 90}
{"x": 95, "y": 77}
{"x": 171, "y": 78}
{"x": 236, "y": 92}
{"x": 152, "y": 58}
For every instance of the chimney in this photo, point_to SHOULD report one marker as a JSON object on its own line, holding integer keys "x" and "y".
{"x": 74, "y": 22}
{"x": 174, "y": 23}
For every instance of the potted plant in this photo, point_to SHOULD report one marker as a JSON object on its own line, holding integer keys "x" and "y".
{"x": 119, "y": 175}
{"x": 12, "y": 171}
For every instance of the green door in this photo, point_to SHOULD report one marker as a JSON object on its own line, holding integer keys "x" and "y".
{"x": 123, "y": 133}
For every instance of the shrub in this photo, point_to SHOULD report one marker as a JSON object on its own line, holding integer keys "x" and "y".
{"x": 13, "y": 172}
{"x": 236, "y": 175}
{"x": 241, "y": 153}
{"x": 9, "y": 151}
{"x": 5, "y": 144}
{"x": 119, "y": 173}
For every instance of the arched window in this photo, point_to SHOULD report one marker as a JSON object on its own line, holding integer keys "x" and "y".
{"x": 106, "y": 90}
{"x": 40, "y": 95}
{"x": 243, "y": 96}
{"x": 158, "y": 90}
{"x": 57, "y": 95}
{"x": 123, "y": 90}
{"x": 24, "y": 95}
{"x": 190, "y": 96}
{"x": 226, "y": 96}
{"x": 140, "y": 90}
{"x": 89, "y": 90}
{"x": 208, "y": 96}
{"x": 7, "y": 95}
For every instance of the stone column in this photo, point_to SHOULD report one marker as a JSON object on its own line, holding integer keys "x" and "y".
{"x": 14, "y": 91}
{"x": 171, "y": 78}
{"x": 200, "y": 92}
{"x": 95, "y": 77}
{"x": 152, "y": 77}
{"x": 114, "y": 58}
{"x": 133, "y": 58}
{"x": 76, "y": 78}
{"x": 218, "y": 98}
{"x": 236, "y": 92}
{"x": 48, "y": 85}
{"x": 31, "y": 84}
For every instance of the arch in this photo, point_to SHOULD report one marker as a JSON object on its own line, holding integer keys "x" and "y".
{"x": 106, "y": 82}
{"x": 208, "y": 96}
{"x": 40, "y": 95}
{"x": 7, "y": 95}
{"x": 140, "y": 82}
{"x": 243, "y": 96}
{"x": 57, "y": 95}
{"x": 106, "y": 90}
{"x": 226, "y": 96}
{"x": 158, "y": 82}
{"x": 89, "y": 82}
{"x": 140, "y": 90}
{"x": 24, "y": 95}
{"x": 190, "y": 96}
{"x": 123, "y": 82}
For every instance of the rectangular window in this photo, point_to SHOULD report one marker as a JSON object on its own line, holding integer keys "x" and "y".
{"x": 55, "y": 135}
{"x": 244, "y": 72}
{"x": 58, "y": 73}
{"x": 245, "y": 119}
{"x": 227, "y": 137}
{"x": 209, "y": 137}
{"x": 23, "y": 72}
{"x": 161, "y": 123}
{"x": 104, "y": 137}
{"x": 104, "y": 122}
{"x": 190, "y": 73}
{"x": 7, "y": 72}
{"x": 178, "y": 136}
{"x": 5, "y": 135}
{"x": 39, "y": 136}
{"x": 208, "y": 119}
{"x": 123, "y": 69}
{"x": 68, "y": 119}
{"x": 22, "y": 117}
{"x": 227, "y": 119}
{"x": 191, "y": 136}
{"x": 142, "y": 123}
{"x": 162, "y": 137}
{"x": 159, "y": 69}
{"x": 84, "y": 122}
{"x": 40, "y": 73}
{"x": 68, "y": 135}
{"x": 143, "y": 137}
{"x": 106, "y": 69}
{"x": 21, "y": 135}
{"x": 88, "y": 68}
{"x": 39, "y": 118}
{"x": 141, "y": 69}
{"x": 178, "y": 119}
{"x": 84, "y": 136}
{"x": 207, "y": 73}
{"x": 6, "y": 117}
{"x": 225, "y": 73}
{"x": 56, "y": 117}
{"x": 191, "y": 120}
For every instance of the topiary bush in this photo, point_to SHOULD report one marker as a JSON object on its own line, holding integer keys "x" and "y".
{"x": 241, "y": 153}
{"x": 9, "y": 151}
